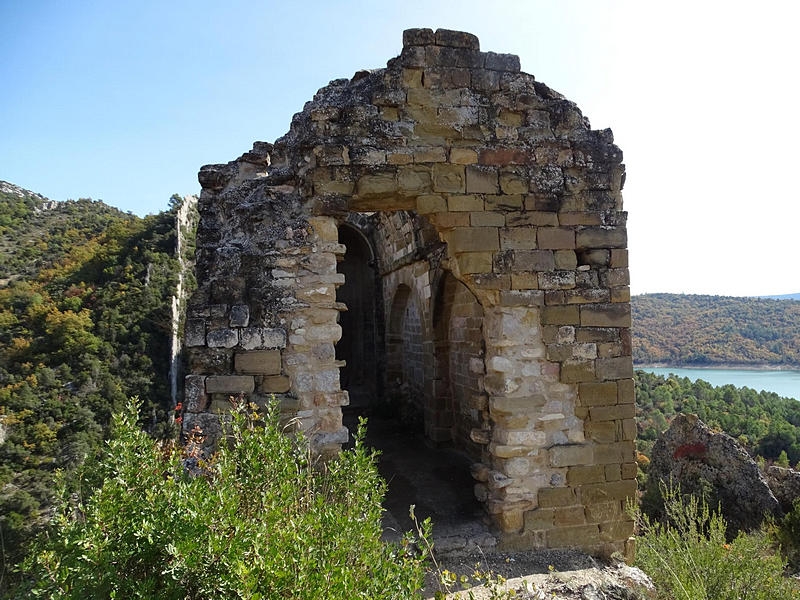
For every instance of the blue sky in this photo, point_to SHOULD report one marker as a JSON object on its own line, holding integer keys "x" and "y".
{"x": 125, "y": 101}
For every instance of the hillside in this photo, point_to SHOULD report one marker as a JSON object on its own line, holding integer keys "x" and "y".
{"x": 689, "y": 330}
{"x": 37, "y": 232}
{"x": 85, "y": 323}
{"x": 763, "y": 422}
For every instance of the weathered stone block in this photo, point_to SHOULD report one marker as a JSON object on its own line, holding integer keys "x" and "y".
{"x": 259, "y": 362}
{"x": 579, "y": 536}
{"x": 379, "y": 184}
{"x": 597, "y": 334}
{"x": 510, "y": 521}
{"x": 481, "y": 180}
{"x": 601, "y": 237}
{"x": 560, "y": 315}
{"x": 557, "y": 280}
{"x": 511, "y": 183}
{"x": 499, "y": 405}
{"x": 556, "y": 497}
{"x": 415, "y": 180}
{"x": 473, "y": 239}
{"x": 518, "y": 238}
{"x": 606, "y": 315}
{"x": 618, "y": 530}
{"x": 399, "y": 158}
{"x": 598, "y": 394}
{"x": 613, "y": 472}
{"x": 533, "y": 260}
{"x": 485, "y": 80}
{"x": 222, "y": 338}
{"x": 277, "y": 384}
{"x": 431, "y": 203}
{"x": 435, "y": 154}
{"x": 569, "y": 455}
{"x": 626, "y": 393}
{"x": 240, "y": 315}
{"x": 465, "y": 203}
{"x": 621, "y": 294}
{"x": 195, "y": 332}
{"x": 450, "y": 220}
{"x": 230, "y": 384}
{"x": 463, "y": 156}
{"x": 579, "y": 475}
{"x": 418, "y": 37}
{"x": 603, "y": 512}
{"x": 565, "y": 259}
{"x": 576, "y": 370}
{"x": 604, "y": 432}
{"x": 614, "y": 278}
{"x": 556, "y": 238}
{"x": 612, "y": 413}
{"x": 568, "y": 516}
{"x": 448, "y": 178}
{"x": 486, "y": 219}
{"x": 522, "y": 298}
{"x": 474, "y": 262}
{"x": 502, "y": 62}
{"x": 456, "y": 39}
{"x": 256, "y": 338}
{"x": 620, "y": 367}
{"x": 629, "y": 470}
{"x": 524, "y": 281}
{"x": 605, "y": 492}
{"x": 619, "y": 258}
{"x": 538, "y": 519}
{"x": 616, "y": 453}
{"x": 194, "y": 388}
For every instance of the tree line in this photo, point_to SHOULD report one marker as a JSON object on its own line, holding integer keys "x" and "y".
{"x": 690, "y": 330}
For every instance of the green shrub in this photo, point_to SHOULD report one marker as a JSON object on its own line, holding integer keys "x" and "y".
{"x": 260, "y": 521}
{"x": 688, "y": 557}
{"x": 787, "y": 534}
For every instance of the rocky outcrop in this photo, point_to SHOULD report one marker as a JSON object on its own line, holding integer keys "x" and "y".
{"x": 700, "y": 460}
{"x": 554, "y": 575}
{"x": 785, "y": 484}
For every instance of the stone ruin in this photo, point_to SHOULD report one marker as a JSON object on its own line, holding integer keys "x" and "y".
{"x": 445, "y": 237}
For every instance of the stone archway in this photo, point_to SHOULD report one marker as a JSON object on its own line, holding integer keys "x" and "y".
{"x": 458, "y": 409}
{"x": 405, "y": 356}
{"x": 526, "y": 199}
{"x": 358, "y": 346}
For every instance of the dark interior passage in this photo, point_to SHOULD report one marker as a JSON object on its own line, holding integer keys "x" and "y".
{"x": 358, "y": 346}
{"x": 436, "y": 481}
{"x": 415, "y": 373}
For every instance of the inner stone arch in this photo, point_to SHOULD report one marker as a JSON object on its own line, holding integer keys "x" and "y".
{"x": 430, "y": 364}
{"x": 359, "y": 345}
{"x": 405, "y": 357}
{"x": 458, "y": 411}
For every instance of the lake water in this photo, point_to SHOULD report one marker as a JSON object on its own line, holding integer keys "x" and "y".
{"x": 783, "y": 383}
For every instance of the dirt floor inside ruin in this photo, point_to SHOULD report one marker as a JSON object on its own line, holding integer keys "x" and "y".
{"x": 436, "y": 481}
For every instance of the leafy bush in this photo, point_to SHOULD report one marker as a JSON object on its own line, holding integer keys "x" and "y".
{"x": 260, "y": 520}
{"x": 787, "y": 535}
{"x": 688, "y": 557}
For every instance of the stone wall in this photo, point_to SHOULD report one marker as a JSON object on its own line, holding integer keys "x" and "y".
{"x": 467, "y": 169}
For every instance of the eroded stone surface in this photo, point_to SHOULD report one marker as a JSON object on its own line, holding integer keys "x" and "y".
{"x": 493, "y": 235}
{"x": 697, "y": 459}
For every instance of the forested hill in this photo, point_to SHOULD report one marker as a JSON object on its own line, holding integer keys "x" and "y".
{"x": 85, "y": 323}
{"x": 691, "y": 330}
{"x": 37, "y": 232}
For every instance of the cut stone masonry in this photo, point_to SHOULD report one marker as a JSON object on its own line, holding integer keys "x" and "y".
{"x": 486, "y": 253}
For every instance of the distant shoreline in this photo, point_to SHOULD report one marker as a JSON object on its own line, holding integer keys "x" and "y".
{"x": 719, "y": 367}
